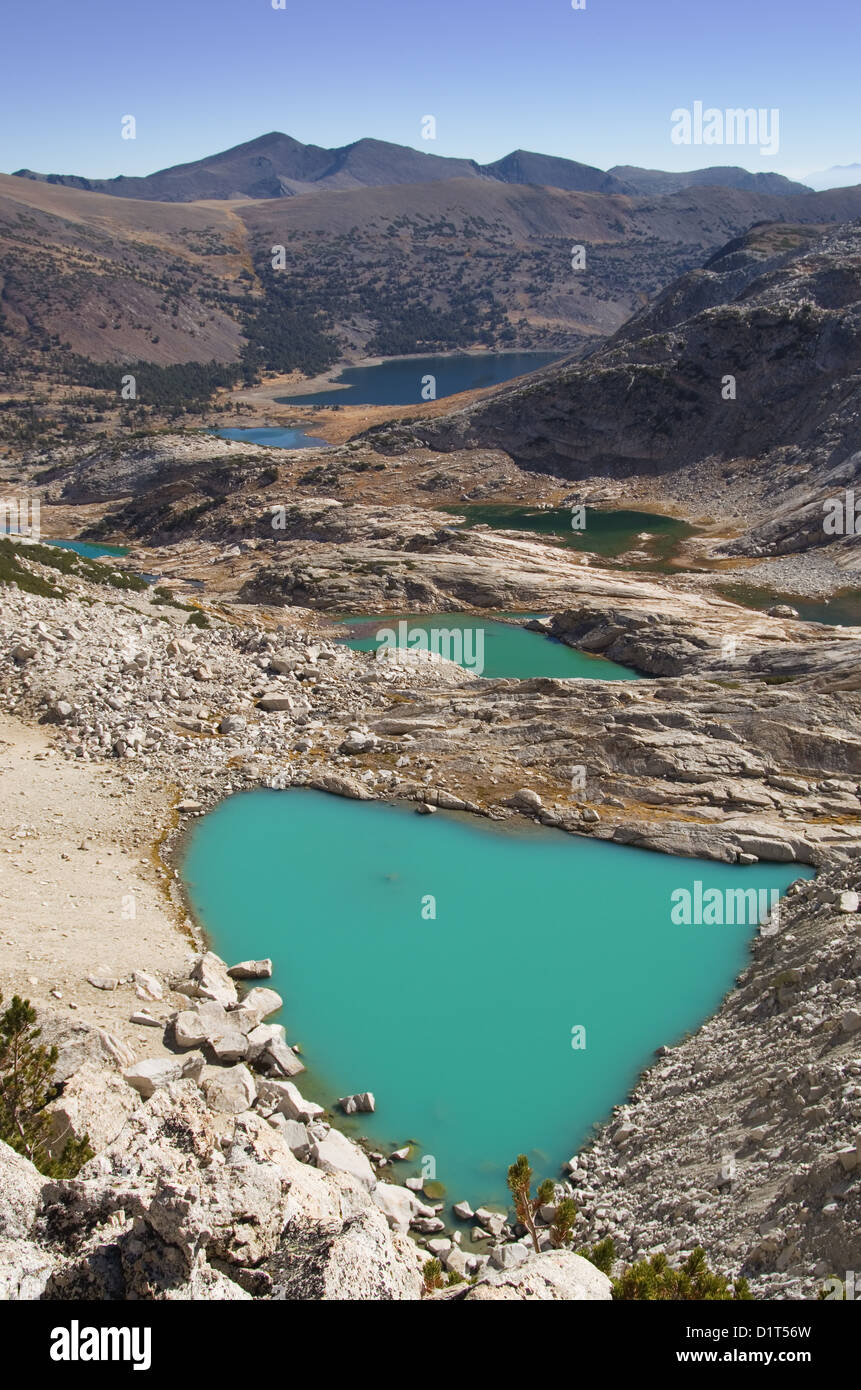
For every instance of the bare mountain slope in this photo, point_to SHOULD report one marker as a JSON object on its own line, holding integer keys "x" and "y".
{"x": 405, "y": 268}
{"x": 779, "y": 313}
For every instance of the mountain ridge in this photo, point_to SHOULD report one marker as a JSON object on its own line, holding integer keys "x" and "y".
{"x": 276, "y": 165}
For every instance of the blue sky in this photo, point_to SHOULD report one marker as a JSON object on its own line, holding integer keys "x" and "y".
{"x": 597, "y": 85}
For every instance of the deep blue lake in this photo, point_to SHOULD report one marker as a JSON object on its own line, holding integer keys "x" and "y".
{"x": 273, "y": 438}
{"x": 399, "y": 380}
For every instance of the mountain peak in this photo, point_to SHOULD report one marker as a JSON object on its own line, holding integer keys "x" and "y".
{"x": 276, "y": 165}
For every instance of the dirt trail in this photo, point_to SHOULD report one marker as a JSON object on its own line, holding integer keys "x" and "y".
{"x": 76, "y": 859}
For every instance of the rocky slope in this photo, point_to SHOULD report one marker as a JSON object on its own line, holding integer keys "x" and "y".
{"x": 405, "y": 267}
{"x": 211, "y": 1183}
{"x": 746, "y": 1137}
{"x": 778, "y": 313}
{"x": 735, "y": 751}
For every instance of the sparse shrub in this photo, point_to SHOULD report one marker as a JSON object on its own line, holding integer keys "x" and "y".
{"x": 432, "y": 1275}
{"x": 26, "y": 1087}
{"x": 655, "y": 1280}
{"x": 602, "y": 1255}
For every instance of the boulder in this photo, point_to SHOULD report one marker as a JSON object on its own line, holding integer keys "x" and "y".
{"x": 95, "y": 1102}
{"x": 558, "y": 1274}
{"x": 209, "y": 980}
{"x": 153, "y": 1073}
{"x": 261, "y": 1035}
{"x": 251, "y": 970}
{"x": 190, "y": 1029}
{"x": 229, "y": 1046}
{"x": 273, "y": 703}
{"x": 363, "y": 1260}
{"x": 510, "y": 1256}
{"x": 147, "y": 986}
{"x": 262, "y": 1002}
{"x": 229, "y": 1090}
{"x": 398, "y": 1205}
{"x": 20, "y": 1193}
{"x": 492, "y": 1221}
{"x": 102, "y": 979}
{"x": 335, "y": 1154}
{"x": 233, "y": 724}
{"x": 362, "y": 1103}
{"x": 284, "y": 1097}
{"x": 295, "y": 1134}
{"x": 456, "y": 1262}
{"x": 25, "y": 1270}
{"x": 280, "y": 1059}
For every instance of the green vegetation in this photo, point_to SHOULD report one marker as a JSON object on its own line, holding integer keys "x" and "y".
{"x": 13, "y": 572}
{"x": 649, "y": 1280}
{"x": 68, "y": 562}
{"x": 196, "y": 618}
{"x": 602, "y": 1255}
{"x": 655, "y": 1280}
{"x": 527, "y": 1207}
{"x": 434, "y": 1277}
{"x": 26, "y": 1087}
{"x": 184, "y": 388}
{"x": 286, "y": 331}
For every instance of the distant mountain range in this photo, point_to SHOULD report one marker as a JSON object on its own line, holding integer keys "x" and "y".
{"x": 838, "y": 176}
{"x": 277, "y": 166}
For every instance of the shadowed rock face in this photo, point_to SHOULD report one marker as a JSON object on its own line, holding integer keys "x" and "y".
{"x": 779, "y": 312}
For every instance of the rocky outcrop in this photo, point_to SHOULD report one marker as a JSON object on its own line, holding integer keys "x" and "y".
{"x": 554, "y": 1275}
{"x": 773, "y": 317}
{"x": 748, "y": 734}
{"x": 746, "y": 1137}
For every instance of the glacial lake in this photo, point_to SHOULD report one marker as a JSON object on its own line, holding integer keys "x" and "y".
{"x": 606, "y": 532}
{"x": 840, "y": 610}
{"x": 400, "y": 380}
{"x": 86, "y": 548}
{"x": 273, "y": 438}
{"x": 501, "y": 649}
{"x": 462, "y": 1023}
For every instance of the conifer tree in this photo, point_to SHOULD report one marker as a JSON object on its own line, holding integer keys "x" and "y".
{"x": 525, "y": 1205}
{"x": 26, "y": 1086}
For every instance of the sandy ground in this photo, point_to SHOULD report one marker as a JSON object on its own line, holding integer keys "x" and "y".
{"x": 76, "y": 859}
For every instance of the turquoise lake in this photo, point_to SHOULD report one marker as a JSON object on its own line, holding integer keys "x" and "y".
{"x": 273, "y": 438}
{"x": 462, "y": 1025}
{"x": 92, "y": 552}
{"x": 399, "y": 380}
{"x": 506, "y": 649}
